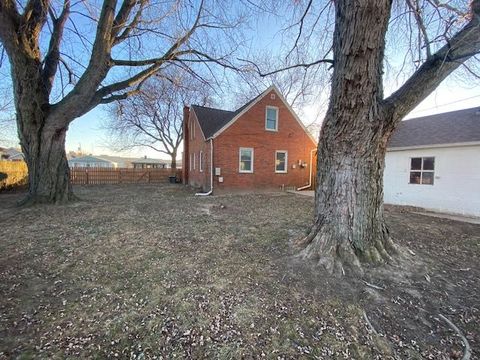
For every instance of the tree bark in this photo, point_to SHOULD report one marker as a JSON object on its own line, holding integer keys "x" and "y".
{"x": 349, "y": 225}
{"x": 42, "y": 136}
{"x": 173, "y": 164}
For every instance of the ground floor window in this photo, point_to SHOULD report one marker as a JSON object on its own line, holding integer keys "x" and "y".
{"x": 246, "y": 160}
{"x": 281, "y": 161}
{"x": 422, "y": 170}
{"x": 200, "y": 161}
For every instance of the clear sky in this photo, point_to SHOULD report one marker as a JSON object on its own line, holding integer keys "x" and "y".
{"x": 450, "y": 96}
{"x": 87, "y": 132}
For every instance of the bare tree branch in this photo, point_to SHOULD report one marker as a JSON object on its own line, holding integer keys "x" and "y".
{"x": 435, "y": 69}
{"x": 53, "y": 55}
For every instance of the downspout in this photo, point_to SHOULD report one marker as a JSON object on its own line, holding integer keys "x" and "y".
{"x": 311, "y": 171}
{"x": 211, "y": 172}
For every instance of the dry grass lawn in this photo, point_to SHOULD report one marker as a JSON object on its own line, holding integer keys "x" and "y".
{"x": 151, "y": 271}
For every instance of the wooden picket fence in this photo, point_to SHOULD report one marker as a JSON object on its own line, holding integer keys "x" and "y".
{"x": 99, "y": 176}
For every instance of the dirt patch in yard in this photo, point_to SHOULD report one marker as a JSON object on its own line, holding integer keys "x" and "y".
{"x": 153, "y": 272}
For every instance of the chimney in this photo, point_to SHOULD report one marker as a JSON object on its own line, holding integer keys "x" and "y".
{"x": 186, "y": 147}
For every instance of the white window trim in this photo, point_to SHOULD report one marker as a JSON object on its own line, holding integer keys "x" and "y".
{"x": 286, "y": 162}
{"x": 194, "y": 161}
{"x": 421, "y": 171}
{"x": 276, "y": 120}
{"x": 240, "y": 161}
{"x": 200, "y": 161}
{"x": 190, "y": 163}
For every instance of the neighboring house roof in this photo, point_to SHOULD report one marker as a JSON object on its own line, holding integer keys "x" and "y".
{"x": 150, "y": 161}
{"x": 90, "y": 159}
{"x": 12, "y": 154}
{"x": 461, "y": 126}
{"x": 213, "y": 121}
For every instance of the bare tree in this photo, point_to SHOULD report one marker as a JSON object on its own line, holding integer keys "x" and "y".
{"x": 61, "y": 69}
{"x": 434, "y": 38}
{"x": 154, "y": 117}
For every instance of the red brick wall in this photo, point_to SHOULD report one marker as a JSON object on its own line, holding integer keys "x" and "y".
{"x": 197, "y": 178}
{"x": 249, "y": 131}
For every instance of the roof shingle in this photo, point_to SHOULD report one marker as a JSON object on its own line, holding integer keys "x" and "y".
{"x": 211, "y": 120}
{"x": 447, "y": 128}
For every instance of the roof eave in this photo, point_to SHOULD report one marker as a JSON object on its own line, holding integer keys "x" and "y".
{"x": 433, "y": 146}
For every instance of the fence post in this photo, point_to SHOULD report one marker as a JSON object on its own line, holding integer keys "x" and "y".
{"x": 86, "y": 172}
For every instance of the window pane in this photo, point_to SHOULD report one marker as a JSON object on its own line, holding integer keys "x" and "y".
{"x": 271, "y": 119}
{"x": 416, "y": 164}
{"x": 427, "y": 178}
{"x": 428, "y": 163}
{"x": 246, "y": 155}
{"x": 415, "y": 177}
{"x": 280, "y": 162}
{"x": 271, "y": 124}
{"x": 245, "y": 160}
{"x": 271, "y": 114}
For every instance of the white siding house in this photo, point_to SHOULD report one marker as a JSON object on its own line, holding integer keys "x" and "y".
{"x": 433, "y": 162}
{"x": 91, "y": 161}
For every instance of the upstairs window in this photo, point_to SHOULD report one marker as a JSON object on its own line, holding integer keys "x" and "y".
{"x": 271, "y": 118}
{"x": 281, "y": 161}
{"x": 422, "y": 170}
{"x": 245, "y": 160}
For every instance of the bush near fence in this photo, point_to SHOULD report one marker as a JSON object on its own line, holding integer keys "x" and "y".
{"x": 13, "y": 174}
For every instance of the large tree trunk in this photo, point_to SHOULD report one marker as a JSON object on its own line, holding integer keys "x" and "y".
{"x": 42, "y": 137}
{"x": 349, "y": 223}
{"x": 48, "y": 171}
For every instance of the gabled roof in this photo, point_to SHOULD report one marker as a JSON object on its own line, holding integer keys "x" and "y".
{"x": 145, "y": 160}
{"x": 454, "y": 127}
{"x": 213, "y": 121}
{"x": 90, "y": 159}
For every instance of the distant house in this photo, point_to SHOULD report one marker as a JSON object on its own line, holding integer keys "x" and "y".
{"x": 261, "y": 145}
{"x": 433, "y": 162}
{"x": 146, "y": 163}
{"x": 91, "y": 161}
{"x": 11, "y": 154}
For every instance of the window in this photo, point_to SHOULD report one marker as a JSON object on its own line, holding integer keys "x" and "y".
{"x": 190, "y": 167}
{"x": 200, "y": 161}
{"x": 422, "y": 170}
{"x": 271, "y": 118}
{"x": 194, "y": 161}
{"x": 281, "y": 161}
{"x": 246, "y": 160}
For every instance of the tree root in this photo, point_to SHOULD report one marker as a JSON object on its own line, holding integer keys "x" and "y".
{"x": 31, "y": 200}
{"x": 338, "y": 254}
{"x": 468, "y": 352}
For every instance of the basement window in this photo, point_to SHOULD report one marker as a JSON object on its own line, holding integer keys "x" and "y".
{"x": 281, "y": 161}
{"x": 245, "y": 157}
{"x": 422, "y": 170}
{"x": 271, "y": 118}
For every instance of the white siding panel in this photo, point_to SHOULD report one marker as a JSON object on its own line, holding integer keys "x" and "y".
{"x": 456, "y": 187}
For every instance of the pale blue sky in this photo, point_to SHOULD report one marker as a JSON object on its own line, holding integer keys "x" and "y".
{"x": 262, "y": 35}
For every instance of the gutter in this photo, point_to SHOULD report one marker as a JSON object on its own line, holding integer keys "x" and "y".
{"x": 311, "y": 171}
{"x": 211, "y": 172}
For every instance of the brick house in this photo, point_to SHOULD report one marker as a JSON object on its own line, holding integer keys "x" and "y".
{"x": 261, "y": 145}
